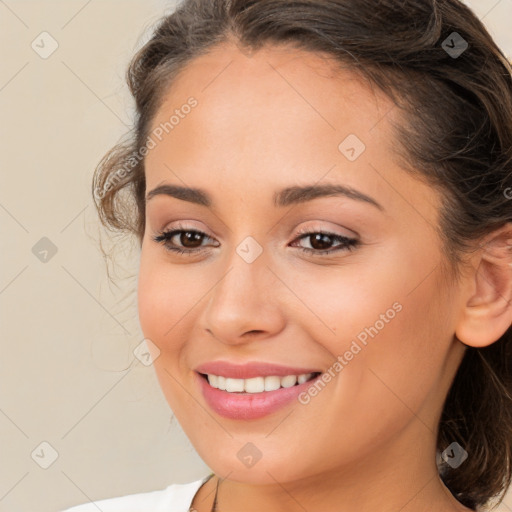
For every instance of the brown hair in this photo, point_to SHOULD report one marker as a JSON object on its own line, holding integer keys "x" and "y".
{"x": 457, "y": 136}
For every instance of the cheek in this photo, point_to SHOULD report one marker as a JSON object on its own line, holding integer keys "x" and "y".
{"x": 388, "y": 318}
{"x": 393, "y": 334}
{"x": 165, "y": 301}
{"x": 166, "y": 294}
{"x": 165, "y": 297}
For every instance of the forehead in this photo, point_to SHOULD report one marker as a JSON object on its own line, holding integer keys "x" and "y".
{"x": 278, "y": 100}
{"x": 303, "y": 82}
{"x": 274, "y": 119}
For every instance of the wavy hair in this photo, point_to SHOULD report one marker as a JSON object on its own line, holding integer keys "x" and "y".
{"x": 456, "y": 134}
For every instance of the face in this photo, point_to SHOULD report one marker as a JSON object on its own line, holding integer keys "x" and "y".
{"x": 348, "y": 284}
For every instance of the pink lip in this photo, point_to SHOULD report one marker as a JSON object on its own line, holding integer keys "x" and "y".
{"x": 250, "y": 406}
{"x": 249, "y": 370}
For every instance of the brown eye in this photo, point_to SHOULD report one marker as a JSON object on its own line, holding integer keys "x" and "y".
{"x": 182, "y": 240}
{"x": 190, "y": 239}
{"x": 322, "y": 243}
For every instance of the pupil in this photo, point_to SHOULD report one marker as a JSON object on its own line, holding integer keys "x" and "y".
{"x": 189, "y": 236}
{"x": 323, "y": 239}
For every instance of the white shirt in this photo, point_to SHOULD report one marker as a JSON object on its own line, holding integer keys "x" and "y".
{"x": 174, "y": 498}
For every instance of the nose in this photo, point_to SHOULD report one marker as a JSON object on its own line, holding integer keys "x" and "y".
{"x": 245, "y": 303}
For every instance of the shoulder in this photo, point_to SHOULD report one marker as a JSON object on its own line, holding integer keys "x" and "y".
{"x": 174, "y": 498}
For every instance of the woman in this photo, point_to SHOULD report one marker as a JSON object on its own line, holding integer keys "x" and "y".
{"x": 321, "y": 191}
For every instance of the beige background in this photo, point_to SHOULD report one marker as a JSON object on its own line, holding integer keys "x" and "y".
{"x": 68, "y": 375}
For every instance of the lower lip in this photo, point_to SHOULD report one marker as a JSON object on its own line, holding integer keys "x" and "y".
{"x": 250, "y": 406}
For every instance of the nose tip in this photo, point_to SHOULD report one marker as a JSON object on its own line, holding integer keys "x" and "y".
{"x": 241, "y": 307}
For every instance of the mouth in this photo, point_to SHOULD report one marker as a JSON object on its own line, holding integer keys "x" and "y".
{"x": 254, "y": 397}
{"x": 259, "y": 384}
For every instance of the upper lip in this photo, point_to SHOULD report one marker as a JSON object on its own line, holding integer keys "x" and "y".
{"x": 249, "y": 370}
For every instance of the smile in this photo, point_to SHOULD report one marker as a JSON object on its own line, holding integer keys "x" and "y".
{"x": 238, "y": 404}
{"x": 257, "y": 384}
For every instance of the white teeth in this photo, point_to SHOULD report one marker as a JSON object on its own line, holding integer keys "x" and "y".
{"x": 233, "y": 385}
{"x": 288, "y": 381}
{"x": 303, "y": 378}
{"x": 221, "y": 382}
{"x": 256, "y": 384}
{"x": 272, "y": 383}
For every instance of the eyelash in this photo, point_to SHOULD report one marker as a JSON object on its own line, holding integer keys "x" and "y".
{"x": 164, "y": 238}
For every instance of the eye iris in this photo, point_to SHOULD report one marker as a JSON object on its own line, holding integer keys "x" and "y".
{"x": 190, "y": 236}
{"x": 324, "y": 240}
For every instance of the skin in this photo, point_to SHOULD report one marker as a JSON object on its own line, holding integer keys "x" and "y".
{"x": 367, "y": 441}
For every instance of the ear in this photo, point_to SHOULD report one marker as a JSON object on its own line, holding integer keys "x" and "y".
{"x": 487, "y": 308}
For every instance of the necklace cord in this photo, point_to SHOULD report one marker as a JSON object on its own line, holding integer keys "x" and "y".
{"x": 214, "y": 506}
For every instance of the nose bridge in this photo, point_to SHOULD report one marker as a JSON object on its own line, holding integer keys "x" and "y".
{"x": 243, "y": 299}
{"x": 246, "y": 268}
{"x": 246, "y": 271}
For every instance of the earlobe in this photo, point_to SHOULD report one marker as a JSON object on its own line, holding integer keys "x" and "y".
{"x": 487, "y": 312}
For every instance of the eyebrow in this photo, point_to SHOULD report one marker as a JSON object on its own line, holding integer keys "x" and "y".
{"x": 285, "y": 197}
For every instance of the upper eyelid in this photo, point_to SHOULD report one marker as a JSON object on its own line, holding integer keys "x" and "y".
{"x": 349, "y": 233}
